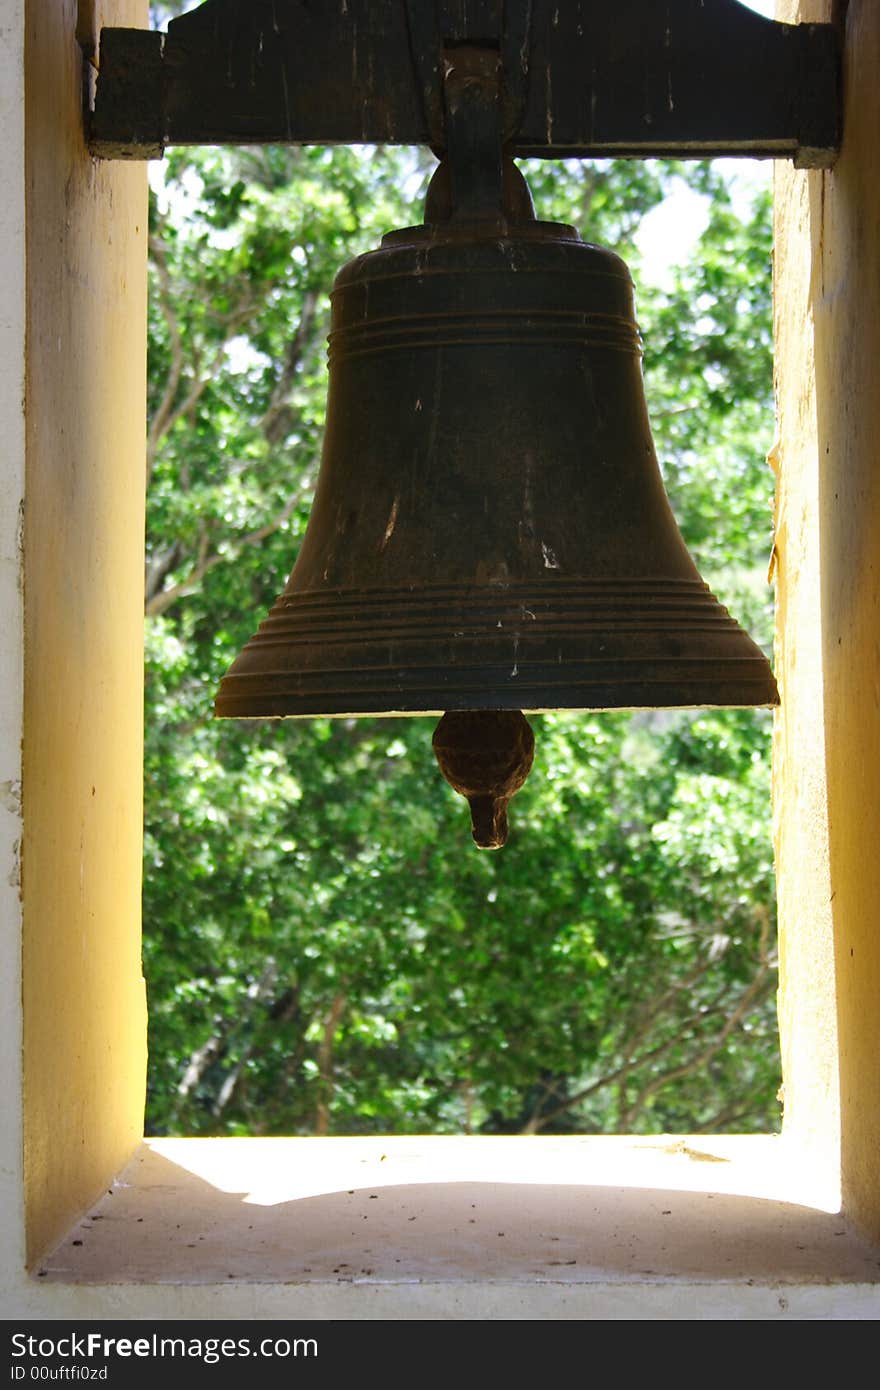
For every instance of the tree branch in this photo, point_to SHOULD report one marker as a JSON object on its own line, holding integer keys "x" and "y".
{"x": 325, "y": 1064}
{"x": 747, "y": 999}
{"x": 158, "y": 424}
{"x": 206, "y": 561}
{"x": 274, "y": 423}
{"x": 647, "y": 1014}
{"x": 256, "y": 991}
{"x": 199, "y": 1062}
{"x": 171, "y": 409}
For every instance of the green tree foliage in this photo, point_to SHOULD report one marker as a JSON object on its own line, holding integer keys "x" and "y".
{"x": 324, "y": 950}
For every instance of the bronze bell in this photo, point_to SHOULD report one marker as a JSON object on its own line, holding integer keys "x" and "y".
{"x": 490, "y": 530}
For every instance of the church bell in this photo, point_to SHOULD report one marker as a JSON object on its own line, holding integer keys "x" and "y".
{"x": 490, "y": 531}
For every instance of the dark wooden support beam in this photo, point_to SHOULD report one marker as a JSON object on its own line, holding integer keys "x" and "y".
{"x": 689, "y": 78}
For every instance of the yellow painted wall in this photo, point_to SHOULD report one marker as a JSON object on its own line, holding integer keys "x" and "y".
{"x": 807, "y": 994}
{"x": 12, "y": 433}
{"x": 828, "y": 771}
{"x": 84, "y": 1005}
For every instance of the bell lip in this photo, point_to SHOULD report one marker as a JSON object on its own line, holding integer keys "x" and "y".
{"x": 438, "y": 711}
{"x": 761, "y": 692}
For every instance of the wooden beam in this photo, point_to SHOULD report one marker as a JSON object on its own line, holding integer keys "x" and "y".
{"x": 689, "y": 78}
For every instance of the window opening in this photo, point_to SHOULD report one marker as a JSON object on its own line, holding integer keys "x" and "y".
{"x": 324, "y": 953}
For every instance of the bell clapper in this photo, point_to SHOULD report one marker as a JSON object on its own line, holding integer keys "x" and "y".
{"x": 486, "y": 756}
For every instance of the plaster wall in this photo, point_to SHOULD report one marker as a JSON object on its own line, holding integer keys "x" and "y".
{"x": 828, "y": 301}
{"x": 83, "y": 997}
{"x": 12, "y": 374}
{"x": 845, "y": 214}
{"x": 807, "y": 994}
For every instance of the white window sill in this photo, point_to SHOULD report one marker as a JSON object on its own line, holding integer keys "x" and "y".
{"x": 469, "y": 1228}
